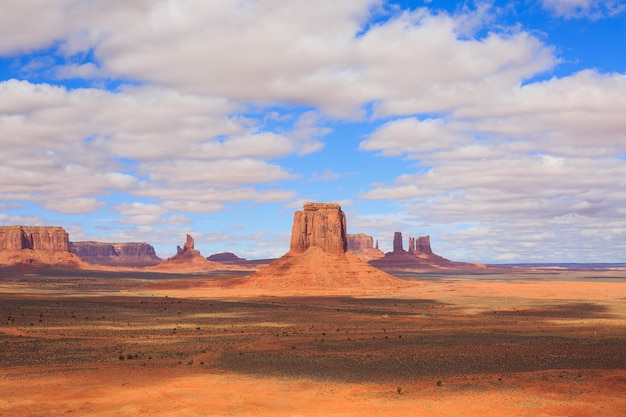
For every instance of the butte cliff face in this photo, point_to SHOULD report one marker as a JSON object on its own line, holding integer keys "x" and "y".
{"x": 318, "y": 257}
{"x": 118, "y": 254}
{"x": 322, "y": 225}
{"x": 36, "y": 246}
{"x": 41, "y": 238}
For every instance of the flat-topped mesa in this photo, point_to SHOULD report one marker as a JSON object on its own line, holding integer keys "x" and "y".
{"x": 322, "y": 225}
{"x": 40, "y": 238}
{"x": 359, "y": 242}
{"x": 123, "y": 254}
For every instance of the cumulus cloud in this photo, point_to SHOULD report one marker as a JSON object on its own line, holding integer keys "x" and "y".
{"x": 82, "y": 137}
{"x": 300, "y": 52}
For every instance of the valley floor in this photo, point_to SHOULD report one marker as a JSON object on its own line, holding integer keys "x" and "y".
{"x": 537, "y": 343}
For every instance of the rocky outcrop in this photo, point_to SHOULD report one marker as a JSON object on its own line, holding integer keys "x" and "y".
{"x": 37, "y": 247}
{"x": 397, "y": 242}
{"x": 188, "y": 260}
{"x": 361, "y": 245}
{"x": 321, "y": 225}
{"x": 318, "y": 257}
{"x": 40, "y": 238}
{"x": 422, "y": 245}
{"x": 359, "y": 242}
{"x": 189, "y": 244}
{"x": 419, "y": 257}
{"x": 118, "y": 254}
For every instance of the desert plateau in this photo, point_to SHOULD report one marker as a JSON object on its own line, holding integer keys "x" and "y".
{"x": 317, "y": 332}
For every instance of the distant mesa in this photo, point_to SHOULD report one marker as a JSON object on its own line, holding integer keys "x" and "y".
{"x": 362, "y": 246}
{"x": 115, "y": 254}
{"x": 230, "y": 259}
{"x": 419, "y": 257}
{"x": 36, "y": 246}
{"x": 318, "y": 256}
{"x": 226, "y": 258}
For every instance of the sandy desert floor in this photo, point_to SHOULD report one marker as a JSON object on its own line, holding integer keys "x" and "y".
{"x": 546, "y": 343}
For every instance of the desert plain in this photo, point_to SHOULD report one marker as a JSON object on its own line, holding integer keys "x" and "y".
{"x": 522, "y": 342}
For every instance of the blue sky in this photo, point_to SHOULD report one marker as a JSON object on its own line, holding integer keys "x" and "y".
{"x": 497, "y": 128}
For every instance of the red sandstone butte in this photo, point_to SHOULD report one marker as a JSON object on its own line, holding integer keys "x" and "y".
{"x": 320, "y": 224}
{"x": 318, "y": 256}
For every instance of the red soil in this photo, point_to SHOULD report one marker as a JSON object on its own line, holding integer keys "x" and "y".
{"x": 521, "y": 345}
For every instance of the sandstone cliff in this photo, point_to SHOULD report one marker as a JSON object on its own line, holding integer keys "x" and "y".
{"x": 360, "y": 241}
{"x": 42, "y": 238}
{"x": 362, "y": 246}
{"x": 36, "y": 246}
{"x": 318, "y": 259}
{"x": 118, "y": 254}
{"x": 322, "y": 225}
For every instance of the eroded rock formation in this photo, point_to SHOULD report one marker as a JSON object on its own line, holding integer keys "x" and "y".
{"x": 397, "y": 242}
{"x": 419, "y": 257}
{"x": 411, "y": 245}
{"x": 36, "y": 247}
{"x": 318, "y": 257}
{"x": 322, "y": 225}
{"x": 359, "y": 242}
{"x": 40, "y": 238}
{"x": 120, "y": 254}
{"x": 423, "y": 245}
{"x": 361, "y": 245}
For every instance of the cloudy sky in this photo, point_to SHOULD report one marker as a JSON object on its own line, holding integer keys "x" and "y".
{"x": 497, "y": 128}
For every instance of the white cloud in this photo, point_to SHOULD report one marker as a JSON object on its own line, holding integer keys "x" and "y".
{"x": 593, "y": 9}
{"x": 73, "y": 205}
{"x": 81, "y": 137}
{"x": 413, "y": 136}
{"x": 313, "y": 53}
{"x": 138, "y": 209}
{"x": 219, "y": 172}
